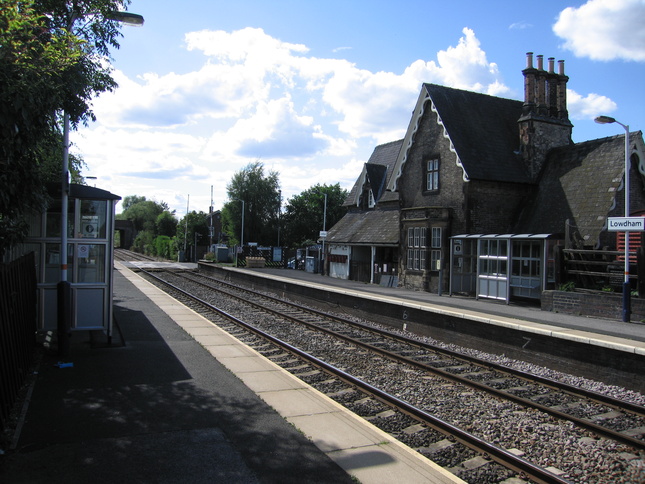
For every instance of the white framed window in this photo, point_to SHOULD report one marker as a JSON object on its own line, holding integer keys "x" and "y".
{"x": 370, "y": 199}
{"x": 432, "y": 174}
{"x": 417, "y": 237}
{"x": 436, "y": 244}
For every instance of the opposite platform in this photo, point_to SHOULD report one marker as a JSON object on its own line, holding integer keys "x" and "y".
{"x": 617, "y": 335}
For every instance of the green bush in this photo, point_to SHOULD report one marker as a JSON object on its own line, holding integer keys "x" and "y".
{"x": 165, "y": 247}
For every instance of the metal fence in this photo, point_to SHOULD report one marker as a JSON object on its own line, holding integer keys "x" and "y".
{"x": 17, "y": 328}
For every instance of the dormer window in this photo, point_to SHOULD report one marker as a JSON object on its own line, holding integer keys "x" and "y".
{"x": 370, "y": 199}
{"x": 432, "y": 174}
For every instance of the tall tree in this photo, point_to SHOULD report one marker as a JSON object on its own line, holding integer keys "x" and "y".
{"x": 142, "y": 212}
{"x": 304, "y": 215}
{"x": 48, "y": 64}
{"x": 193, "y": 227}
{"x": 261, "y": 196}
{"x": 166, "y": 224}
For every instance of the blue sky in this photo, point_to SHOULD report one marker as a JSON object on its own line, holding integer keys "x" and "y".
{"x": 309, "y": 88}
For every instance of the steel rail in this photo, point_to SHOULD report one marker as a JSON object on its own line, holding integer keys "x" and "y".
{"x": 581, "y": 422}
{"x": 561, "y": 386}
{"x": 505, "y": 458}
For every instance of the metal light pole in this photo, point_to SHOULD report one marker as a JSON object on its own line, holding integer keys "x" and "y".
{"x": 627, "y": 310}
{"x": 242, "y": 234}
{"x": 242, "y": 231}
{"x": 64, "y": 287}
{"x": 322, "y": 261}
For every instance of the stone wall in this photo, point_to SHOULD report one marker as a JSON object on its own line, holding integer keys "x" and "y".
{"x": 592, "y": 304}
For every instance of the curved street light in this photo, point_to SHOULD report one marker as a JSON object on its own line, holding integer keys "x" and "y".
{"x": 63, "y": 288}
{"x": 627, "y": 310}
{"x": 242, "y": 231}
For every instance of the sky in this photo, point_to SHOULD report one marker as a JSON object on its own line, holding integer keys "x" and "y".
{"x": 310, "y": 87}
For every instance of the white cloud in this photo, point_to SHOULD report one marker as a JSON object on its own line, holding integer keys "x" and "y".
{"x": 313, "y": 120}
{"x": 604, "y": 29}
{"x": 520, "y": 26}
{"x": 369, "y": 102}
{"x": 588, "y": 107}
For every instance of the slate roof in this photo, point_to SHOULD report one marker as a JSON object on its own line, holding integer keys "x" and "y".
{"x": 373, "y": 227}
{"x": 579, "y": 183}
{"x": 482, "y": 129}
{"x": 484, "y": 132}
{"x": 384, "y": 155}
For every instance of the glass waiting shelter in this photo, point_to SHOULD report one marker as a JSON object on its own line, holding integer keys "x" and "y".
{"x": 502, "y": 266}
{"x": 90, "y": 252}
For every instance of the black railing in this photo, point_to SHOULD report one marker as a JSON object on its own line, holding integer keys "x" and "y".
{"x": 17, "y": 329}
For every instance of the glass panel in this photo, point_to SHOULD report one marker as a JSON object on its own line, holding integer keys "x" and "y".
{"x": 35, "y": 225}
{"x": 516, "y": 267}
{"x": 52, "y": 263}
{"x": 483, "y": 247}
{"x": 503, "y": 248}
{"x": 91, "y": 262}
{"x": 52, "y": 226}
{"x": 436, "y": 237}
{"x": 93, "y": 219}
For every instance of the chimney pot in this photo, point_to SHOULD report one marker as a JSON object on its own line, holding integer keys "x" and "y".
{"x": 561, "y": 67}
{"x": 540, "y": 62}
{"x": 551, "y": 64}
{"x": 529, "y": 60}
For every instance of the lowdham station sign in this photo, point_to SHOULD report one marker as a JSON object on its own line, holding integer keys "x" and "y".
{"x": 626, "y": 224}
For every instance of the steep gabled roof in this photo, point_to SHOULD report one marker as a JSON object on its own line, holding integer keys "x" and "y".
{"x": 482, "y": 130}
{"x": 579, "y": 183}
{"x": 384, "y": 155}
{"x": 373, "y": 227}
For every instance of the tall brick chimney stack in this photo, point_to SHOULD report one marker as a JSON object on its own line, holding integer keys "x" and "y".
{"x": 544, "y": 123}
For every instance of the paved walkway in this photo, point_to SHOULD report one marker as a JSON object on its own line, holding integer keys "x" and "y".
{"x": 175, "y": 400}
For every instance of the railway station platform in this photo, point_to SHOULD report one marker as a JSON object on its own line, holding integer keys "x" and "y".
{"x": 173, "y": 399}
{"x": 608, "y": 350}
{"x": 623, "y": 336}
{"x": 581, "y": 328}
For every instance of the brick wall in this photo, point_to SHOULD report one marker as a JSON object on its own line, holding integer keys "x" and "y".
{"x": 596, "y": 304}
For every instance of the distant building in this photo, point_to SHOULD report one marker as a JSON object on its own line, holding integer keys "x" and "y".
{"x": 479, "y": 191}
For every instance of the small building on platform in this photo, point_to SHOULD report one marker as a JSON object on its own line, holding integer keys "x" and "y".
{"x": 90, "y": 257}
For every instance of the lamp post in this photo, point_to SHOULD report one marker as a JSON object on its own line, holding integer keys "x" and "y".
{"x": 626, "y": 287}
{"x": 63, "y": 288}
{"x": 242, "y": 231}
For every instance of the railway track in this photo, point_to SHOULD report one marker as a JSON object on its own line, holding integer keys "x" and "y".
{"x": 128, "y": 255}
{"x": 591, "y": 414}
